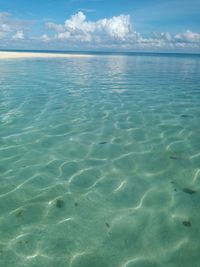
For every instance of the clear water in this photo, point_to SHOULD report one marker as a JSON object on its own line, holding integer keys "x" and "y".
{"x": 100, "y": 161}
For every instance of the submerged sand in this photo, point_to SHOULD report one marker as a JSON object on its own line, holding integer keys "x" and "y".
{"x": 99, "y": 162}
{"x": 8, "y": 55}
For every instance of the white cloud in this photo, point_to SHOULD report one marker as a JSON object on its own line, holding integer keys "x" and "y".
{"x": 63, "y": 35}
{"x": 77, "y": 32}
{"x": 77, "y": 23}
{"x": 12, "y": 28}
{"x": 78, "y": 28}
{"x": 116, "y": 27}
{"x": 165, "y": 40}
{"x": 116, "y": 32}
{"x": 54, "y": 26}
{"x": 19, "y": 35}
{"x": 5, "y": 27}
{"x": 188, "y": 36}
{"x": 45, "y": 38}
{"x": 165, "y": 36}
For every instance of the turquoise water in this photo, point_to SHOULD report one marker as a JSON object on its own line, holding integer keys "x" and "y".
{"x": 100, "y": 161}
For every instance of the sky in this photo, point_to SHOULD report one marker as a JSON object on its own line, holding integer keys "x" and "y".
{"x": 99, "y": 25}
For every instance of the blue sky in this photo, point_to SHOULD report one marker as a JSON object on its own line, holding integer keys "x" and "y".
{"x": 151, "y": 25}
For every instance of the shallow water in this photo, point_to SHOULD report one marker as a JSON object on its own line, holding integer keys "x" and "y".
{"x": 100, "y": 162}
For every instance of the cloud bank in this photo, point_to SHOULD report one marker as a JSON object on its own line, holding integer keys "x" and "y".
{"x": 115, "y": 28}
{"x": 77, "y": 28}
{"x": 13, "y": 30}
{"x": 117, "y": 32}
{"x": 77, "y": 32}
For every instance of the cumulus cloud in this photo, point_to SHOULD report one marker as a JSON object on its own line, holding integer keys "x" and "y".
{"x": 55, "y": 27}
{"x": 19, "y": 35}
{"x": 4, "y": 26}
{"x": 188, "y": 37}
{"x": 78, "y": 28}
{"x": 78, "y": 32}
{"x": 45, "y": 38}
{"x": 165, "y": 36}
{"x": 12, "y": 28}
{"x": 116, "y": 32}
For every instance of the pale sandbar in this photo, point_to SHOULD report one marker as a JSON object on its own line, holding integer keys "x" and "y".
{"x": 13, "y": 55}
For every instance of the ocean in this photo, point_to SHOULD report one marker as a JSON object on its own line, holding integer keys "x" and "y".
{"x": 100, "y": 161}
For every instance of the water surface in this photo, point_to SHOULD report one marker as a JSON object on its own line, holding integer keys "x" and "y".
{"x": 100, "y": 161}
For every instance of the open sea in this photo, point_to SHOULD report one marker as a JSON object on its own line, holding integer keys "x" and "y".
{"x": 100, "y": 161}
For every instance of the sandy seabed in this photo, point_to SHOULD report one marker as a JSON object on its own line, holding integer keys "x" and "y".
{"x": 99, "y": 161}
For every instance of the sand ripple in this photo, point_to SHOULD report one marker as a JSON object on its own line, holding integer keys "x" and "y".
{"x": 99, "y": 162}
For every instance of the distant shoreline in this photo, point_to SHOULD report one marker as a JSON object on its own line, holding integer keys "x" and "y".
{"x": 14, "y": 54}
{"x": 17, "y": 54}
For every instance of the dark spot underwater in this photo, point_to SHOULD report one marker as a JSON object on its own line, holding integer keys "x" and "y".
{"x": 60, "y": 203}
{"x": 107, "y": 225}
{"x": 185, "y": 116}
{"x": 19, "y": 213}
{"x": 187, "y": 223}
{"x": 173, "y": 157}
{"x": 189, "y": 191}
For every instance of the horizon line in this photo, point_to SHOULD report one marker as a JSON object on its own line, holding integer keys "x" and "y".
{"x": 99, "y": 52}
